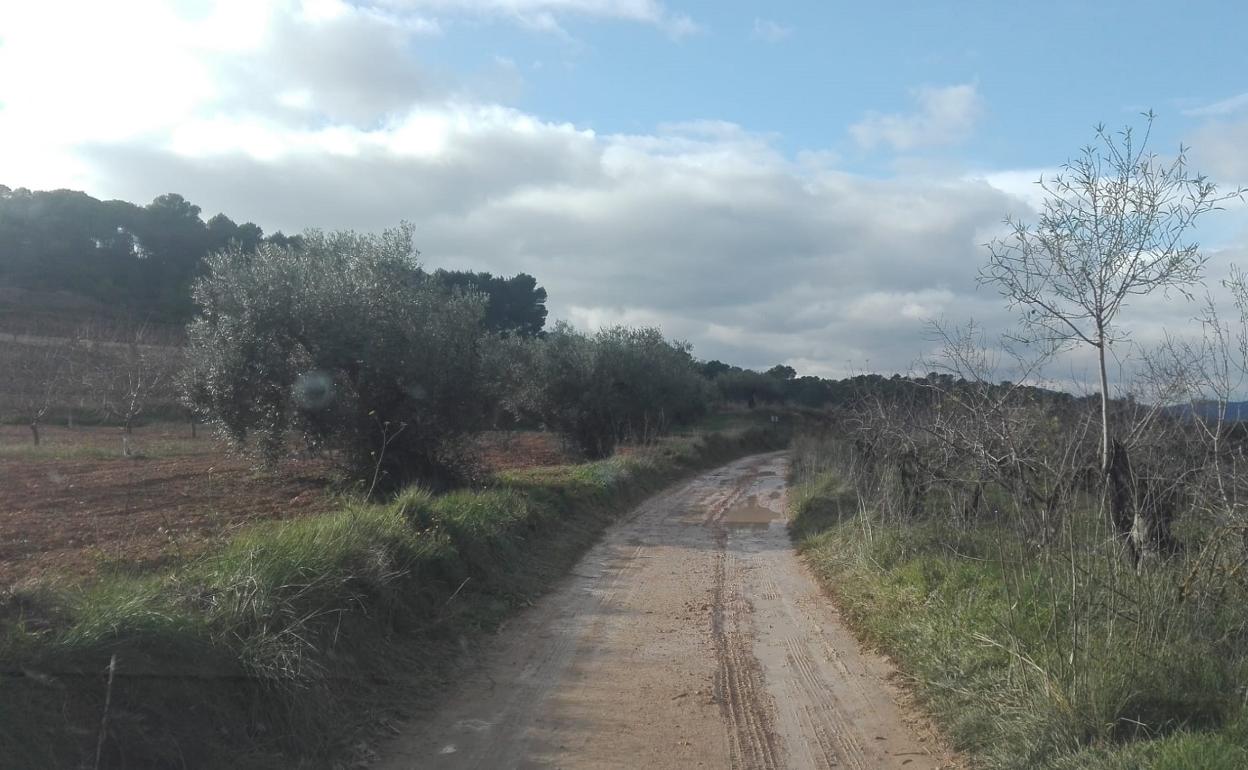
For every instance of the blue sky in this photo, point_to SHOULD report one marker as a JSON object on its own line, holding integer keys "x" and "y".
{"x": 799, "y": 183}
{"x": 805, "y": 71}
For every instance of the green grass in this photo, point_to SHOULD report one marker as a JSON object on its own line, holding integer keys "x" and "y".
{"x": 289, "y": 645}
{"x": 1028, "y": 657}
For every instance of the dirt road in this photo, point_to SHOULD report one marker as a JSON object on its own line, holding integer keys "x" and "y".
{"x": 691, "y": 636}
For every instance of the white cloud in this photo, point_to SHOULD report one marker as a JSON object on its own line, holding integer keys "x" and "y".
{"x": 1218, "y": 150}
{"x": 900, "y": 308}
{"x": 1023, "y": 184}
{"x": 1220, "y": 108}
{"x": 545, "y": 14}
{"x": 944, "y": 115}
{"x": 771, "y": 31}
{"x": 715, "y": 236}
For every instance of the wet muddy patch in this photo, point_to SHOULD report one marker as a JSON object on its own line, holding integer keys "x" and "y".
{"x": 751, "y": 515}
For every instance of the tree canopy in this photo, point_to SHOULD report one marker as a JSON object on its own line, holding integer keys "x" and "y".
{"x": 346, "y": 343}
{"x": 142, "y": 259}
{"x": 515, "y": 305}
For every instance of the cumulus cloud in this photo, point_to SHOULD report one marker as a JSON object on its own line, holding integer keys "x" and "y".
{"x": 1218, "y": 150}
{"x": 1023, "y": 184}
{"x": 943, "y": 115}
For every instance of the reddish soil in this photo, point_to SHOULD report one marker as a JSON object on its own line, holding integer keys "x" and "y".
{"x": 77, "y": 505}
{"x": 505, "y": 450}
{"x": 72, "y": 515}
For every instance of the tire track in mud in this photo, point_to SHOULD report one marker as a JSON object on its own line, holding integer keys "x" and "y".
{"x": 739, "y": 687}
{"x": 821, "y": 713}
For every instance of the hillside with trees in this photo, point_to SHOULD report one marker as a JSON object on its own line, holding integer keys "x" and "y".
{"x": 64, "y": 253}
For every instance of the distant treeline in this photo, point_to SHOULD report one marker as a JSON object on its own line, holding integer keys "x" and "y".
{"x": 142, "y": 260}
{"x": 780, "y": 384}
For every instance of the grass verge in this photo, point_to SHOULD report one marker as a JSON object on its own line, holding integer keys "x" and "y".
{"x": 1037, "y": 657}
{"x": 286, "y": 648}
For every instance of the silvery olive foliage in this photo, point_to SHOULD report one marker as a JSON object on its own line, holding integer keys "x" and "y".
{"x": 620, "y": 384}
{"x": 345, "y": 343}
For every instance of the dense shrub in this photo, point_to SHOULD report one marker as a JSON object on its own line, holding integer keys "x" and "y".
{"x": 345, "y": 342}
{"x": 619, "y": 384}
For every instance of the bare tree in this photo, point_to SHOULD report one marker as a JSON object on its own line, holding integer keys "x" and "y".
{"x": 1116, "y": 224}
{"x": 36, "y": 375}
{"x": 134, "y": 367}
{"x": 1026, "y": 440}
{"x": 1209, "y": 372}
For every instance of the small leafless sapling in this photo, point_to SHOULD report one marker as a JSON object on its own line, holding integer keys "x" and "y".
{"x": 134, "y": 368}
{"x": 1116, "y": 224}
{"x": 37, "y": 374}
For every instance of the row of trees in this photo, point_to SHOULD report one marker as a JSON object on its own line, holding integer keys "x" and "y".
{"x": 302, "y": 333}
{"x": 107, "y": 372}
{"x": 349, "y": 344}
{"x": 781, "y": 385}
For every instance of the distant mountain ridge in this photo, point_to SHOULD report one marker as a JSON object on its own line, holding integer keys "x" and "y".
{"x": 1236, "y": 411}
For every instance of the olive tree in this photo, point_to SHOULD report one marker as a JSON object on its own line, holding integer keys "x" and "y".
{"x": 346, "y": 343}
{"x": 620, "y": 384}
{"x": 569, "y": 396}
{"x": 510, "y": 368}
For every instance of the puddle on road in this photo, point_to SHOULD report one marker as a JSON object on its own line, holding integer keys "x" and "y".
{"x": 751, "y": 515}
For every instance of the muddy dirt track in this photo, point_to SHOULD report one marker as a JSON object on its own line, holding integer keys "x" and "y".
{"x": 690, "y": 636}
